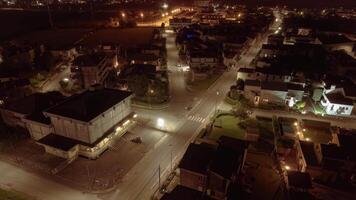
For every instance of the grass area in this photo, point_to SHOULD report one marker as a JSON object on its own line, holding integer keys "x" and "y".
{"x": 227, "y": 125}
{"x": 204, "y": 84}
{"x": 12, "y": 195}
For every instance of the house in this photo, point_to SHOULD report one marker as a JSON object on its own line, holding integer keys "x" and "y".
{"x": 335, "y": 102}
{"x": 245, "y": 73}
{"x": 273, "y": 92}
{"x": 213, "y": 170}
{"x": 85, "y": 123}
{"x": 328, "y": 160}
{"x": 265, "y": 74}
{"x": 177, "y": 23}
{"x": 194, "y": 167}
{"x": 203, "y": 60}
{"x": 93, "y": 68}
{"x": 141, "y": 58}
{"x": 226, "y": 166}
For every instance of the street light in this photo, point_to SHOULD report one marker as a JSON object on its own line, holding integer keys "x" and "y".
{"x": 216, "y": 101}
{"x": 160, "y": 122}
{"x": 165, "y": 6}
{"x": 141, "y": 15}
{"x": 123, "y": 14}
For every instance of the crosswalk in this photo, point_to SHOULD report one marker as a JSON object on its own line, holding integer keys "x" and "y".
{"x": 196, "y": 118}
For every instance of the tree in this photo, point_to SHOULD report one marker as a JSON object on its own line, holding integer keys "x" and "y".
{"x": 240, "y": 84}
{"x": 242, "y": 109}
{"x": 138, "y": 84}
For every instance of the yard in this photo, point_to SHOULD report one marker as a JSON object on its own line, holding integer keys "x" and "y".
{"x": 227, "y": 125}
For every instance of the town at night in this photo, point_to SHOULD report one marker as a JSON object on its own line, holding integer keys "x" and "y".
{"x": 178, "y": 99}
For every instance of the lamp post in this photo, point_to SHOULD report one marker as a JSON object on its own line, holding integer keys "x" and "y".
{"x": 216, "y": 100}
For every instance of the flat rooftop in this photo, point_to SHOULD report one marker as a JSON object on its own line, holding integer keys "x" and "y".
{"x": 124, "y": 37}
{"x": 89, "y": 104}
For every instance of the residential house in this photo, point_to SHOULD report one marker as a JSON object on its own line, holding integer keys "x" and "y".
{"x": 194, "y": 167}
{"x": 93, "y": 68}
{"x": 226, "y": 166}
{"x": 213, "y": 170}
{"x": 273, "y": 92}
{"x": 177, "y": 23}
{"x": 335, "y": 102}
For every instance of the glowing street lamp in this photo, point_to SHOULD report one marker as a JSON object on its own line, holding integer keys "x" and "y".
{"x": 123, "y": 14}
{"x": 160, "y": 122}
{"x": 287, "y": 167}
{"x": 141, "y": 15}
{"x": 165, "y": 6}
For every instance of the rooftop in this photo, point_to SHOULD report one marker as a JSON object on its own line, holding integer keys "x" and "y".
{"x": 197, "y": 158}
{"x": 250, "y": 82}
{"x": 338, "y": 98}
{"x": 274, "y": 85}
{"x": 89, "y": 104}
{"x": 228, "y": 157}
{"x": 58, "y": 142}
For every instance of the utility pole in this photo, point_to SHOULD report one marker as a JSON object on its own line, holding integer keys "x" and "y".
{"x": 159, "y": 177}
{"x": 49, "y": 15}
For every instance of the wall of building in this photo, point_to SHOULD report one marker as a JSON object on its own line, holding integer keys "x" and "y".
{"x": 12, "y": 118}
{"x": 71, "y": 128}
{"x": 107, "y": 120}
{"x": 273, "y": 96}
{"x": 37, "y": 130}
{"x": 193, "y": 180}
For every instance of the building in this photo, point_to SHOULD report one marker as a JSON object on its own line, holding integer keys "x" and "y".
{"x": 273, "y": 92}
{"x": 226, "y": 166}
{"x": 85, "y": 123}
{"x": 194, "y": 167}
{"x": 203, "y": 60}
{"x": 213, "y": 170}
{"x": 93, "y": 68}
{"x": 177, "y": 23}
{"x": 335, "y": 102}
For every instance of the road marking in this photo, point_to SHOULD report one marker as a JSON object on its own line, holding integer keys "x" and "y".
{"x": 196, "y": 118}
